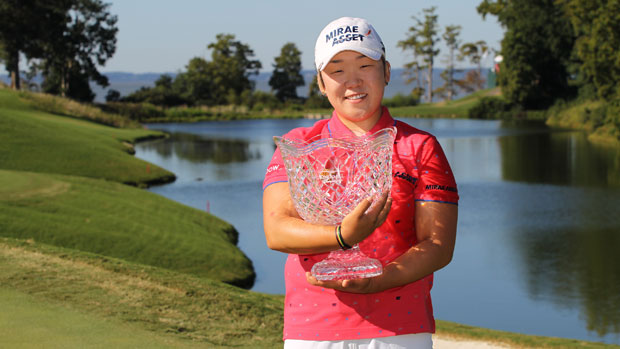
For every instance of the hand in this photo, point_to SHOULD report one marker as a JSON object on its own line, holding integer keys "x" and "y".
{"x": 365, "y": 285}
{"x": 362, "y": 221}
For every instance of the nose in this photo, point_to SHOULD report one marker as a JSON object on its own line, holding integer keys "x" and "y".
{"x": 352, "y": 80}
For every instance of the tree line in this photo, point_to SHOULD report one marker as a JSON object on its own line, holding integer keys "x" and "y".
{"x": 552, "y": 49}
{"x": 73, "y": 38}
{"x": 225, "y": 79}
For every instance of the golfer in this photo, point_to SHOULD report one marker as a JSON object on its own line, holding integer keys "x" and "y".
{"x": 411, "y": 230}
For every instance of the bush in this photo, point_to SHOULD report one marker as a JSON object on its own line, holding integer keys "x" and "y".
{"x": 112, "y": 96}
{"x": 317, "y": 102}
{"x": 400, "y": 100}
{"x": 65, "y": 106}
{"x": 490, "y": 108}
{"x": 135, "y": 111}
{"x": 264, "y": 101}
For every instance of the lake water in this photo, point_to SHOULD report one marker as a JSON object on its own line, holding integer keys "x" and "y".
{"x": 538, "y": 236}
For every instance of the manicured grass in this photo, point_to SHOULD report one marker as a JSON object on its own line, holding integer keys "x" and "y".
{"x": 27, "y": 322}
{"x": 33, "y": 140}
{"x": 453, "y": 109}
{"x": 170, "y": 304}
{"x": 120, "y": 221}
{"x": 515, "y": 340}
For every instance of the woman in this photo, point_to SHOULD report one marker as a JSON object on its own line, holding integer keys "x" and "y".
{"x": 411, "y": 230}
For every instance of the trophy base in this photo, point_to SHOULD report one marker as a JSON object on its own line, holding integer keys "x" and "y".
{"x": 347, "y": 265}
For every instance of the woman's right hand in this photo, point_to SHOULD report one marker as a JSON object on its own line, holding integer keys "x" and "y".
{"x": 365, "y": 218}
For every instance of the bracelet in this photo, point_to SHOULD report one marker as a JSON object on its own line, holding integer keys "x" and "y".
{"x": 343, "y": 245}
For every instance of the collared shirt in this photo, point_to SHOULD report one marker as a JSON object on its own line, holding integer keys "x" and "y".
{"x": 420, "y": 172}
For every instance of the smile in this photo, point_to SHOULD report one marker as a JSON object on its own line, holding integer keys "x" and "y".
{"x": 358, "y": 96}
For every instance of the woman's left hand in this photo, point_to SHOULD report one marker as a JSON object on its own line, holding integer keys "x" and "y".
{"x": 353, "y": 286}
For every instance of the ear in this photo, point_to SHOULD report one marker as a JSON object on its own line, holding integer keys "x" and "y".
{"x": 319, "y": 81}
{"x": 388, "y": 72}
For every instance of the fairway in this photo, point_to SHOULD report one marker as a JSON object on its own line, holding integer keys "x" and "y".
{"x": 26, "y": 322}
{"x": 97, "y": 289}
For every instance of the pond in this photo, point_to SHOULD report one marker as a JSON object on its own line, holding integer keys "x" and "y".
{"x": 539, "y": 217}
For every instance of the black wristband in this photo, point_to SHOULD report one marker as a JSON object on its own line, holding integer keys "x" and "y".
{"x": 343, "y": 245}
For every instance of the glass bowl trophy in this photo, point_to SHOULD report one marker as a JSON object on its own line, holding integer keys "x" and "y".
{"x": 328, "y": 178}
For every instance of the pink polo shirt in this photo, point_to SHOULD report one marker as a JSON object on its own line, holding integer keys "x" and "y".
{"x": 420, "y": 173}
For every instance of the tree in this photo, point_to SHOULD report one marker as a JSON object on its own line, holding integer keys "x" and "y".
{"x": 2, "y": 52}
{"x": 596, "y": 25}
{"x": 413, "y": 68}
{"x": 474, "y": 52}
{"x": 27, "y": 26}
{"x": 230, "y": 68}
{"x": 113, "y": 96}
{"x": 195, "y": 84}
{"x": 315, "y": 97}
{"x": 75, "y": 82}
{"x": 88, "y": 40}
{"x": 287, "y": 76}
{"x": 536, "y": 48}
{"x": 422, "y": 38}
{"x": 163, "y": 93}
{"x": 451, "y": 38}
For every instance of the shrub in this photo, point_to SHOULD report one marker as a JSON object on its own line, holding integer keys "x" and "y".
{"x": 400, "y": 100}
{"x": 68, "y": 107}
{"x": 135, "y": 111}
{"x": 490, "y": 108}
{"x": 264, "y": 101}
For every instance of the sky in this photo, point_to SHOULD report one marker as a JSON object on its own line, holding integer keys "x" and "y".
{"x": 162, "y": 36}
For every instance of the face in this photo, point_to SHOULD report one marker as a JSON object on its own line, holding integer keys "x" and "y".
{"x": 354, "y": 85}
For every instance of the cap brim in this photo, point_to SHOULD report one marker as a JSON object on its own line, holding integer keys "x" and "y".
{"x": 373, "y": 54}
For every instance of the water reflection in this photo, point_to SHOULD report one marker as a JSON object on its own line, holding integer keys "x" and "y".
{"x": 577, "y": 269}
{"x": 565, "y": 158}
{"x": 199, "y": 149}
{"x": 570, "y": 254}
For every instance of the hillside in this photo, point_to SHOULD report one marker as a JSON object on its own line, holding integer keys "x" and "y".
{"x": 456, "y": 108}
{"x": 165, "y": 308}
{"x": 60, "y": 184}
{"x": 38, "y": 141}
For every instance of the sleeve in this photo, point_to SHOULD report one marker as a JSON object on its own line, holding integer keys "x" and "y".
{"x": 276, "y": 172}
{"x": 436, "y": 180}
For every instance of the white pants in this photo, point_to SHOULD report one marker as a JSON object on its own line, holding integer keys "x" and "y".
{"x": 406, "y": 341}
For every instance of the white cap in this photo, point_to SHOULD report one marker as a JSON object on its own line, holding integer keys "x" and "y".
{"x": 347, "y": 33}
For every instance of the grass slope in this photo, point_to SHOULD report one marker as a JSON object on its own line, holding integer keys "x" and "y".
{"x": 33, "y": 140}
{"x": 176, "y": 306}
{"x": 27, "y": 322}
{"x": 513, "y": 340}
{"x": 120, "y": 221}
{"x": 453, "y": 109}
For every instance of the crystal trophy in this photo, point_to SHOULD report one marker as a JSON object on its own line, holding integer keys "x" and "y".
{"x": 328, "y": 178}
